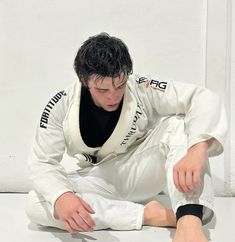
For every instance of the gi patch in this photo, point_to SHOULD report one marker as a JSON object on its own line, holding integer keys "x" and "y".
{"x": 154, "y": 84}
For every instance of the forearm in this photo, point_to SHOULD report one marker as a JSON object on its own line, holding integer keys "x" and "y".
{"x": 48, "y": 178}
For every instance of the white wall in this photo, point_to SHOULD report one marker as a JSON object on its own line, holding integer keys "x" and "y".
{"x": 39, "y": 39}
{"x": 232, "y": 98}
{"x": 218, "y": 79}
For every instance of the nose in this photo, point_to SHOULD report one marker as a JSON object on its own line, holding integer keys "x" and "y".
{"x": 113, "y": 97}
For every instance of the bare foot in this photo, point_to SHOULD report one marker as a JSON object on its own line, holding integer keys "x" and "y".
{"x": 189, "y": 229}
{"x": 155, "y": 214}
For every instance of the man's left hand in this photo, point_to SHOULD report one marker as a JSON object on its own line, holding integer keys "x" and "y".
{"x": 187, "y": 171}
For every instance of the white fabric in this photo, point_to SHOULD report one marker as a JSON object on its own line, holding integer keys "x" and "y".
{"x": 115, "y": 188}
{"x": 147, "y": 102}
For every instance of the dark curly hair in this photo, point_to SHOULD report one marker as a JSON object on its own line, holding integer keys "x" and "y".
{"x": 104, "y": 56}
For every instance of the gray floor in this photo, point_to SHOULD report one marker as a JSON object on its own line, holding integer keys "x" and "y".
{"x": 15, "y": 227}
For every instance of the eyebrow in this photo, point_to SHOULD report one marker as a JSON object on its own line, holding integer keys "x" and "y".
{"x": 114, "y": 87}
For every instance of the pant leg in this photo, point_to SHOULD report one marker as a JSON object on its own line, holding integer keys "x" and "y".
{"x": 177, "y": 148}
{"x": 156, "y": 157}
{"x": 109, "y": 213}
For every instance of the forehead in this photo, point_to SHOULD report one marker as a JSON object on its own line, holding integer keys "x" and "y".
{"x": 101, "y": 81}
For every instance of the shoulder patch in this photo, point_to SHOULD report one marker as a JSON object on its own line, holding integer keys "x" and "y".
{"x": 154, "y": 84}
{"x": 49, "y": 107}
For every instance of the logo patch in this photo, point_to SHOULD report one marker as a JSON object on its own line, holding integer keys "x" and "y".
{"x": 154, "y": 84}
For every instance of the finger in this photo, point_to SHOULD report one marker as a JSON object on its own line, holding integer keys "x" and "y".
{"x": 189, "y": 180}
{"x": 73, "y": 225}
{"x": 196, "y": 178}
{"x": 85, "y": 225}
{"x": 87, "y": 219}
{"x": 182, "y": 181}
{"x": 176, "y": 179}
{"x": 68, "y": 227}
{"x": 87, "y": 206}
{"x": 80, "y": 224}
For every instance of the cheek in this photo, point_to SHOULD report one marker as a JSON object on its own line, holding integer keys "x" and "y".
{"x": 121, "y": 93}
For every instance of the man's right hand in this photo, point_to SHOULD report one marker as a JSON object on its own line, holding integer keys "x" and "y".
{"x": 74, "y": 213}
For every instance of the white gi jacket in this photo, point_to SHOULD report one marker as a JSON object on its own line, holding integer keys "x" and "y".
{"x": 146, "y": 102}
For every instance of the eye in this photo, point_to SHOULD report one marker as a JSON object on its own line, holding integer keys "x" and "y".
{"x": 101, "y": 90}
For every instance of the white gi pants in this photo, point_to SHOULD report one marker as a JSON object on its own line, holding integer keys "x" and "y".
{"x": 118, "y": 188}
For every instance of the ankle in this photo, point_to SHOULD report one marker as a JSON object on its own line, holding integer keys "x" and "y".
{"x": 189, "y": 221}
{"x": 155, "y": 214}
{"x": 148, "y": 215}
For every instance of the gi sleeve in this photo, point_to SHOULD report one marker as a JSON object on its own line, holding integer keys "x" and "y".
{"x": 48, "y": 176}
{"x": 203, "y": 111}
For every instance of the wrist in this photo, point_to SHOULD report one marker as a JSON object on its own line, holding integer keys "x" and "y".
{"x": 63, "y": 195}
{"x": 201, "y": 146}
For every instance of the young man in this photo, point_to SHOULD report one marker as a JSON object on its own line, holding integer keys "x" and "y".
{"x": 132, "y": 136}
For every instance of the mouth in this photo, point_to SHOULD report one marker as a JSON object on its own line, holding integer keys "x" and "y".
{"x": 112, "y": 105}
